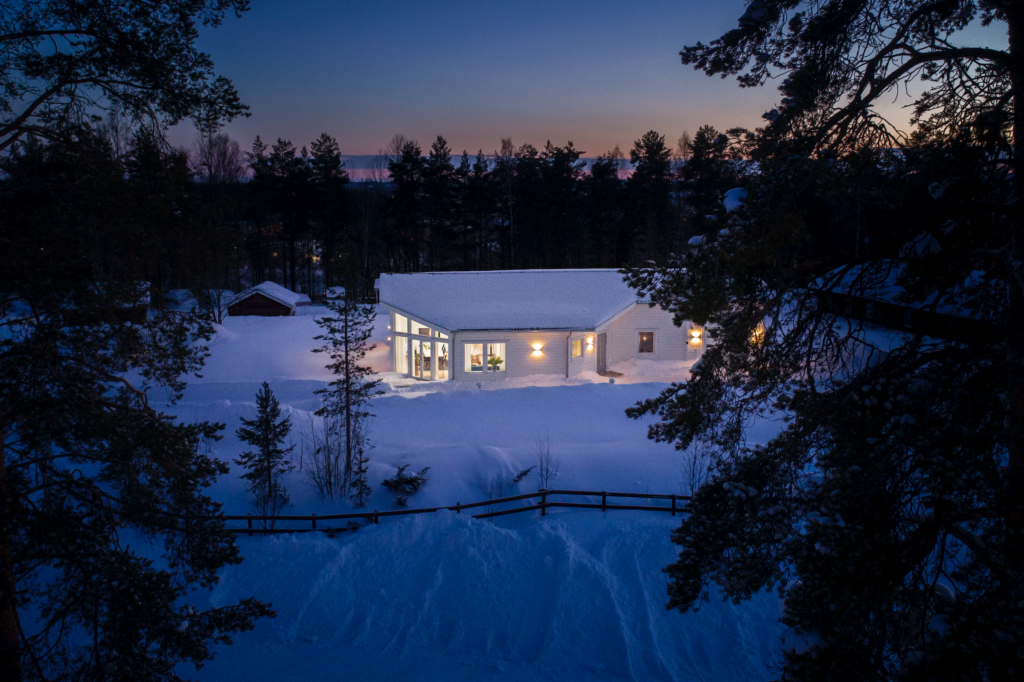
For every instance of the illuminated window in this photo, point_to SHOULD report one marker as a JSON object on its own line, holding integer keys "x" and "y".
{"x": 442, "y": 361}
{"x": 422, "y": 331}
{"x": 577, "y": 348}
{"x": 495, "y": 357}
{"x": 474, "y": 357}
{"x": 646, "y": 342}
{"x": 401, "y": 355}
{"x": 401, "y": 324}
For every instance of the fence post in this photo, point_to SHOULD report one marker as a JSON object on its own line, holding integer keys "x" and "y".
{"x": 314, "y": 521}
{"x": 673, "y": 505}
{"x": 458, "y": 509}
{"x": 376, "y": 519}
{"x": 604, "y": 501}
{"x": 543, "y": 504}
{"x": 250, "y": 524}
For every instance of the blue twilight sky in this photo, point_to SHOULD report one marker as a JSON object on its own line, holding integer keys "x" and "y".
{"x": 597, "y": 72}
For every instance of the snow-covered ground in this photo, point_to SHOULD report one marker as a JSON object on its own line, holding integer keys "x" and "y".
{"x": 575, "y": 595}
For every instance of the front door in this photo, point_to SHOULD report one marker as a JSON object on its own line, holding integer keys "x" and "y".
{"x": 602, "y": 353}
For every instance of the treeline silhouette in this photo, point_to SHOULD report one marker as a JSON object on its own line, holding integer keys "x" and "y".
{"x": 220, "y": 217}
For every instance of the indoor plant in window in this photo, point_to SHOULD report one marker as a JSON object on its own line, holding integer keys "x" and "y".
{"x": 494, "y": 363}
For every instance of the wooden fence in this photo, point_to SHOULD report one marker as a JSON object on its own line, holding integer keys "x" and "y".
{"x": 672, "y": 504}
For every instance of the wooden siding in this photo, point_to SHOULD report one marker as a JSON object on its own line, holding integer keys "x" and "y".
{"x": 519, "y": 358}
{"x": 261, "y": 305}
{"x": 670, "y": 341}
{"x": 586, "y": 362}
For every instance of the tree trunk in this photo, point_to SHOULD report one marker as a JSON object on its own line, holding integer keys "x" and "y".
{"x": 1015, "y": 490}
{"x": 10, "y": 628}
{"x": 348, "y": 395}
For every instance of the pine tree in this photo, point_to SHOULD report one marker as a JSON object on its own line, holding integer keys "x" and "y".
{"x": 888, "y": 511}
{"x": 87, "y": 464}
{"x": 267, "y": 462}
{"x": 346, "y": 399}
{"x": 650, "y": 192}
{"x": 329, "y": 179}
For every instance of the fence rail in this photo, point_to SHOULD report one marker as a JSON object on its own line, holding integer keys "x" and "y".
{"x": 677, "y": 505}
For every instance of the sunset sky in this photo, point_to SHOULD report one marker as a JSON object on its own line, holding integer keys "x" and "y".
{"x": 597, "y": 72}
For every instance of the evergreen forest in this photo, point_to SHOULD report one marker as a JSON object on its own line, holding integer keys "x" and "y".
{"x": 217, "y": 217}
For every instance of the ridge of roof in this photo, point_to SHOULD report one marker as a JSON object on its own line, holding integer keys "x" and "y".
{"x": 565, "y": 299}
{"x": 498, "y": 272}
{"x": 273, "y": 291}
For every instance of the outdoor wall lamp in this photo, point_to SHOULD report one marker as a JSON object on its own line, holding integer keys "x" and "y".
{"x": 536, "y": 349}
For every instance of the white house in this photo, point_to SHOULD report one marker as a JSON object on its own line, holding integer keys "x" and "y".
{"x": 512, "y": 323}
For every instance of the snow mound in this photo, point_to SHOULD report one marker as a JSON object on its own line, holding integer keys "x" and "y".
{"x": 734, "y": 198}
{"x": 445, "y": 597}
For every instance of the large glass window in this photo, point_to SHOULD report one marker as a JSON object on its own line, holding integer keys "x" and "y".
{"x": 577, "y": 348}
{"x": 422, "y": 331}
{"x": 646, "y": 342}
{"x": 474, "y": 357}
{"x": 428, "y": 349}
{"x": 401, "y": 355}
{"x": 401, "y": 324}
{"x": 417, "y": 358}
{"x": 442, "y": 360}
{"x": 495, "y": 357}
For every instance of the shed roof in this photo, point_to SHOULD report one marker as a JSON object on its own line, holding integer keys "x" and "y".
{"x": 273, "y": 291}
{"x": 509, "y": 299}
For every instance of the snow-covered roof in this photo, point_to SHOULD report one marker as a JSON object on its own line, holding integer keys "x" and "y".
{"x": 509, "y": 299}
{"x": 275, "y": 292}
{"x": 883, "y": 281}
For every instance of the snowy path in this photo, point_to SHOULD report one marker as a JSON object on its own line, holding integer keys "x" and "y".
{"x": 443, "y": 597}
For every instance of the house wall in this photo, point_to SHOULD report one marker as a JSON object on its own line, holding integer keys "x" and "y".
{"x": 521, "y": 360}
{"x": 670, "y": 342}
{"x": 588, "y": 361}
{"x": 519, "y": 353}
{"x": 258, "y": 304}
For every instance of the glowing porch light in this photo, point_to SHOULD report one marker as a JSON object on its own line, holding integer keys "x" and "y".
{"x": 537, "y": 345}
{"x": 695, "y": 334}
{"x": 590, "y": 343}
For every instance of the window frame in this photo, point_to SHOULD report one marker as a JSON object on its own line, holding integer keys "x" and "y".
{"x": 577, "y": 348}
{"x": 654, "y": 343}
{"x": 485, "y": 371}
{"x": 435, "y": 337}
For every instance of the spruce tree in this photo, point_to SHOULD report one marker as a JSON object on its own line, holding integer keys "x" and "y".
{"x": 346, "y": 399}
{"x": 267, "y": 461}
